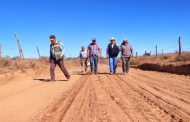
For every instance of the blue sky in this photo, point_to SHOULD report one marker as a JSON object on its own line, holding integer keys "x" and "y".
{"x": 144, "y": 23}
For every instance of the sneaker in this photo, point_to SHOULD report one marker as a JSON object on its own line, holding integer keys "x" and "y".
{"x": 111, "y": 73}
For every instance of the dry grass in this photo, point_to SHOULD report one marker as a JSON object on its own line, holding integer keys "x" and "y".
{"x": 170, "y": 63}
{"x": 163, "y": 59}
{"x": 9, "y": 65}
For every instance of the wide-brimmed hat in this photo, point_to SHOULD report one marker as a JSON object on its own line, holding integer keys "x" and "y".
{"x": 112, "y": 39}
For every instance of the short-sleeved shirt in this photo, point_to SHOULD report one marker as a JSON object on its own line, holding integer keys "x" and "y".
{"x": 83, "y": 54}
{"x": 94, "y": 49}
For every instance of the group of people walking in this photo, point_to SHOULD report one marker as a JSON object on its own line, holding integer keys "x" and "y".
{"x": 94, "y": 52}
{"x": 91, "y": 55}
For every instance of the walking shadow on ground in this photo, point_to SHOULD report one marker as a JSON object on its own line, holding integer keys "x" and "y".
{"x": 107, "y": 73}
{"x": 47, "y": 80}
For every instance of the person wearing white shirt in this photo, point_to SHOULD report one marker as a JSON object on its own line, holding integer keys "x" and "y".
{"x": 83, "y": 59}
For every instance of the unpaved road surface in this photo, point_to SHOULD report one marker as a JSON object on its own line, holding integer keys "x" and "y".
{"x": 140, "y": 96}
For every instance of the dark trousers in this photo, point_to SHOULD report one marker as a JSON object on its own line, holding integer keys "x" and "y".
{"x": 94, "y": 64}
{"x": 60, "y": 63}
{"x": 125, "y": 64}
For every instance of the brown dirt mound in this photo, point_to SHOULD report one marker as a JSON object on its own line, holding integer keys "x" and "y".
{"x": 179, "y": 69}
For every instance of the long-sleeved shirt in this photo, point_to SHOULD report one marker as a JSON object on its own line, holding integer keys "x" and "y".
{"x": 56, "y": 50}
{"x": 126, "y": 50}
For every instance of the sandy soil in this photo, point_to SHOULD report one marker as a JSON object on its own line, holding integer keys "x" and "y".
{"x": 140, "y": 96}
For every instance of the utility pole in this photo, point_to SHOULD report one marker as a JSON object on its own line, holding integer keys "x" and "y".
{"x": 179, "y": 46}
{"x": 156, "y": 51}
{"x": 162, "y": 52}
{"x": 38, "y": 52}
{"x": 136, "y": 55}
{"x": 19, "y": 46}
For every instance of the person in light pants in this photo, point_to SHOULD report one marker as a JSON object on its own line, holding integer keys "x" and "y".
{"x": 83, "y": 59}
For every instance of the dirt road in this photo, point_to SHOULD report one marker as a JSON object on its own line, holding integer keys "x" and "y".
{"x": 140, "y": 96}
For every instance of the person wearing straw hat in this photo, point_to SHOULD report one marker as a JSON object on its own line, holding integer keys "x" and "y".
{"x": 112, "y": 52}
{"x": 83, "y": 59}
{"x": 94, "y": 53}
{"x": 126, "y": 53}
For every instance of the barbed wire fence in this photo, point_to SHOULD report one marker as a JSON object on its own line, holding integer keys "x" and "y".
{"x": 11, "y": 52}
{"x": 176, "y": 48}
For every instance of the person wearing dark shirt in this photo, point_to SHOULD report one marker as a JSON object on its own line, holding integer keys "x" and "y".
{"x": 112, "y": 54}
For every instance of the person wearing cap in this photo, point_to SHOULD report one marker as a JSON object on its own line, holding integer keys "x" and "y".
{"x": 94, "y": 52}
{"x": 112, "y": 52}
{"x": 126, "y": 53}
{"x": 83, "y": 59}
{"x": 56, "y": 57}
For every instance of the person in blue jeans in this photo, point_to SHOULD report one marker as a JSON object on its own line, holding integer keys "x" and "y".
{"x": 94, "y": 52}
{"x": 112, "y": 53}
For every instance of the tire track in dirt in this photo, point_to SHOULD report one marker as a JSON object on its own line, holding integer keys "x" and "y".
{"x": 171, "y": 84}
{"x": 87, "y": 103}
{"x": 169, "y": 79}
{"x": 87, "y": 107}
{"x": 139, "y": 109}
{"x": 171, "y": 91}
{"x": 57, "y": 110}
{"x": 166, "y": 90}
{"x": 176, "y": 113}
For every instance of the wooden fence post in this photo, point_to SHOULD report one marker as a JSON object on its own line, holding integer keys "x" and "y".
{"x": 156, "y": 51}
{"x": 145, "y": 55}
{"x": 179, "y": 46}
{"x": 19, "y": 46}
{"x": 136, "y": 55}
{"x": 38, "y": 52}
